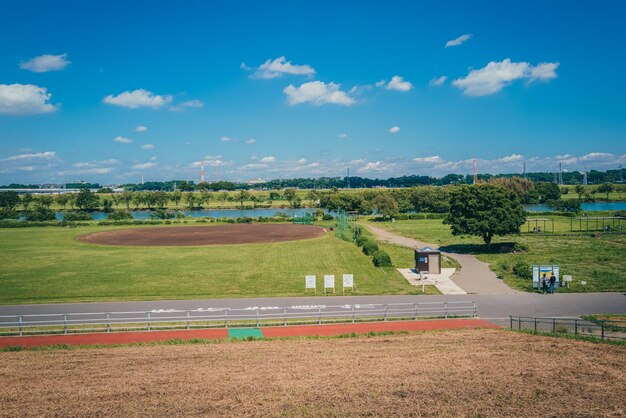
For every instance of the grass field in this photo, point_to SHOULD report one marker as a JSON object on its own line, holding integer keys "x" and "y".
{"x": 43, "y": 265}
{"x": 457, "y": 373}
{"x": 597, "y": 259}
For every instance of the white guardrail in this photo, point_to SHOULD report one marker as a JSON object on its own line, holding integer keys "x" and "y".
{"x": 67, "y": 323}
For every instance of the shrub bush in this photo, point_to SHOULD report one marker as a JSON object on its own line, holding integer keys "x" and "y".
{"x": 327, "y": 217}
{"x": 370, "y": 247}
{"x": 6, "y": 213}
{"x": 119, "y": 215}
{"x": 76, "y": 216}
{"x": 381, "y": 259}
{"x": 40, "y": 214}
{"x": 523, "y": 270}
{"x": 360, "y": 240}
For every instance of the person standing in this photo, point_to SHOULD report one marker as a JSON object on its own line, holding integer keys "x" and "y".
{"x": 544, "y": 284}
{"x": 552, "y": 283}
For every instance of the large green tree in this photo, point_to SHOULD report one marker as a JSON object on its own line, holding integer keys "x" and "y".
{"x": 87, "y": 200}
{"x": 385, "y": 205}
{"x": 485, "y": 210}
{"x": 606, "y": 188}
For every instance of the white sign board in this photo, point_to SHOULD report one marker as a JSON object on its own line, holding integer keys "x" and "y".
{"x": 567, "y": 278}
{"x": 348, "y": 281}
{"x": 310, "y": 282}
{"x": 329, "y": 282}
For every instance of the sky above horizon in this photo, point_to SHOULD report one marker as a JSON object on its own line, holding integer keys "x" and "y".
{"x": 108, "y": 91}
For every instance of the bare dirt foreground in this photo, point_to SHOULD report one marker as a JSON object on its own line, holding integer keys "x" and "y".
{"x": 484, "y": 372}
{"x": 204, "y": 235}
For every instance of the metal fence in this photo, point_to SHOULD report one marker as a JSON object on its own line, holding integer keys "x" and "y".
{"x": 66, "y": 323}
{"x": 603, "y": 329}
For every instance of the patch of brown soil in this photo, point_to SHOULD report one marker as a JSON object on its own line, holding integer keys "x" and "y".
{"x": 204, "y": 235}
{"x": 466, "y": 373}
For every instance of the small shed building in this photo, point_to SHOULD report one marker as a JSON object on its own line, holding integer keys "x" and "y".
{"x": 427, "y": 260}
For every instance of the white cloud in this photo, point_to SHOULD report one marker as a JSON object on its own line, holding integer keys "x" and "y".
{"x": 153, "y": 158}
{"x": 376, "y": 166}
{"x": 101, "y": 170}
{"x": 268, "y": 159}
{"x": 24, "y": 99}
{"x": 254, "y": 166}
{"x": 251, "y": 141}
{"x": 87, "y": 164}
{"x": 595, "y": 156}
{"x": 244, "y": 67}
{"x": 460, "y": 40}
{"x": 36, "y": 155}
{"x": 138, "y": 98}
{"x": 438, "y": 81}
{"x": 435, "y": 159}
{"x": 188, "y": 104}
{"x": 143, "y": 166}
{"x": 192, "y": 103}
{"x": 27, "y": 168}
{"x": 342, "y": 135}
{"x": 399, "y": 84}
{"x": 496, "y": 75}
{"x": 147, "y": 146}
{"x": 511, "y": 158}
{"x": 318, "y": 93}
{"x": 302, "y": 161}
{"x": 280, "y": 66}
{"x": 226, "y": 139}
{"x": 544, "y": 71}
{"x": 122, "y": 140}
{"x": 45, "y": 63}
{"x": 394, "y": 129}
{"x": 380, "y": 83}
{"x": 141, "y": 128}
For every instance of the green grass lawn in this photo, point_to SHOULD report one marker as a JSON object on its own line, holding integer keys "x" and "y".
{"x": 598, "y": 259}
{"x": 48, "y": 264}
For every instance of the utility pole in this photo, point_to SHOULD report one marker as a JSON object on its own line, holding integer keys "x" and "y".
{"x": 475, "y": 171}
{"x": 560, "y": 174}
{"x": 348, "y": 179}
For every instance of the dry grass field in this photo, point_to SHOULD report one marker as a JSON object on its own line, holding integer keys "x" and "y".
{"x": 460, "y": 373}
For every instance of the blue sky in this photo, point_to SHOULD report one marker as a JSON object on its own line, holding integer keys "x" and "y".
{"x": 285, "y": 89}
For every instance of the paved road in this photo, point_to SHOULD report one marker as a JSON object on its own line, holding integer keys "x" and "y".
{"x": 494, "y": 307}
{"x": 474, "y": 276}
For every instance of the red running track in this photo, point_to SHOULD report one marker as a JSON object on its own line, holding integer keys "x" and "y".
{"x": 269, "y": 332}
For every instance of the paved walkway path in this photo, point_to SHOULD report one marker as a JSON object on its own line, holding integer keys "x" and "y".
{"x": 223, "y": 333}
{"x": 474, "y": 275}
{"x": 492, "y": 307}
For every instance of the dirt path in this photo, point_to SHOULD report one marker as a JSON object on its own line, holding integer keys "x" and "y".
{"x": 223, "y": 333}
{"x": 474, "y": 276}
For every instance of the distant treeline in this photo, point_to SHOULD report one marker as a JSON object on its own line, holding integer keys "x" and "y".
{"x": 569, "y": 178}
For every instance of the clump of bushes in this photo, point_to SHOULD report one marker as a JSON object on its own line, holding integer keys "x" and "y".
{"x": 523, "y": 270}
{"x": 360, "y": 240}
{"x": 162, "y": 214}
{"x": 370, "y": 247}
{"x": 40, "y": 214}
{"x": 6, "y": 213}
{"x": 119, "y": 215}
{"x": 76, "y": 216}
{"x": 327, "y": 217}
{"x": 381, "y": 259}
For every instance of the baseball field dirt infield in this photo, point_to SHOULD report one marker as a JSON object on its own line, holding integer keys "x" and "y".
{"x": 442, "y": 373}
{"x": 177, "y": 236}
